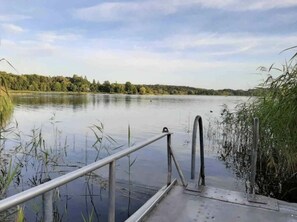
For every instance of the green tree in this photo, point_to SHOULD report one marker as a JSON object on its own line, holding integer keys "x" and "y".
{"x": 93, "y": 86}
{"x": 128, "y": 87}
{"x": 57, "y": 87}
{"x": 106, "y": 87}
{"x": 142, "y": 90}
{"x": 44, "y": 87}
{"x": 118, "y": 88}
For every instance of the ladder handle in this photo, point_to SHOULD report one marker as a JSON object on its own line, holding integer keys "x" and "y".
{"x": 198, "y": 120}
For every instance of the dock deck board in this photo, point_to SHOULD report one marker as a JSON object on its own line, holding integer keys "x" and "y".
{"x": 182, "y": 205}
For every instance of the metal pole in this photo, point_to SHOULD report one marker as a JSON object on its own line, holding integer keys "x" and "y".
{"x": 193, "y": 157}
{"x": 111, "y": 213}
{"x": 169, "y": 162}
{"x": 47, "y": 200}
{"x": 198, "y": 120}
{"x": 47, "y": 204}
{"x": 181, "y": 175}
{"x": 202, "y": 174}
{"x": 254, "y": 154}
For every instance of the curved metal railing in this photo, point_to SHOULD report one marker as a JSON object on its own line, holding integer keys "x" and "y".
{"x": 198, "y": 120}
{"x": 45, "y": 188}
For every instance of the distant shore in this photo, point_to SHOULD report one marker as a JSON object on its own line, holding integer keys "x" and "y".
{"x": 28, "y": 83}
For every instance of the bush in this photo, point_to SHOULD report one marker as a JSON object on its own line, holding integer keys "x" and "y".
{"x": 6, "y": 106}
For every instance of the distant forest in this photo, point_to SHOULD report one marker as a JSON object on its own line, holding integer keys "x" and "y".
{"x": 76, "y": 83}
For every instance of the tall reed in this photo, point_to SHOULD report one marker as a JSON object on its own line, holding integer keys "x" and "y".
{"x": 277, "y": 156}
{"x": 6, "y": 106}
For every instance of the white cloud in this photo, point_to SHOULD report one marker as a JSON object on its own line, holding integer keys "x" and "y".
{"x": 227, "y": 44}
{"x": 202, "y": 46}
{"x": 234, "y": 5}
{"x": 127, "y": 11}
{"x": 263, "y": 4}
{"x": 137, "y": 66}
{"x": 158, "y": 68}
{"x": 149, "y": 62}
{"x": 51, "y": 37}
{"x": 43, "y": 44}
{"x": 28, "y": 48}
{"x": 118, "y": 11}
{"x": 11, "y": 28}
{"x": 12, "y": 17}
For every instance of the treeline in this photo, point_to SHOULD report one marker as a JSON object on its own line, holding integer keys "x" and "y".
{"x": 76, "y": 83}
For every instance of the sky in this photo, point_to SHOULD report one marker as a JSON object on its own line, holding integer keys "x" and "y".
{"x": 200, "y": 43}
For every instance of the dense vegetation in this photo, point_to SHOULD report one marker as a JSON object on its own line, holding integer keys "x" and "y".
{"x": 6, "y": 106}
{"x": 277, "y": 154}
{"x": 81, "y": 84}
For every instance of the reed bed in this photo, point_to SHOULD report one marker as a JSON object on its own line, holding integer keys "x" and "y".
{"x": 277, "y": 155}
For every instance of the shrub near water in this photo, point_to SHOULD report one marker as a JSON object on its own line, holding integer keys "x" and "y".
{"x": 6, "y": 106}
{"x": 277, "y": 154}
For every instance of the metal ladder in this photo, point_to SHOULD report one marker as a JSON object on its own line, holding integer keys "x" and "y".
{"x": 201, "y": 177}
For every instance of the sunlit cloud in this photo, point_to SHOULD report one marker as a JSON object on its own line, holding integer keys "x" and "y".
{"x": 239, "y": 5}
{"x": 13, "y": 17}
{"x": 229, "y": 43}
{"x": 11, "y": 28}
{"x": 28, "y": 48}
{"x": 116, "y": 65}
{"x": 159, "y": 68}
{"x": 127, "y": 11}
{"x": 262, "y": 4}
{"x": 120, "y": 11}
{"x": 53, "y": 37}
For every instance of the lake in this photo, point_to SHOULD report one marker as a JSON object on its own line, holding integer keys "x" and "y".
{"x": 66, "y": 128}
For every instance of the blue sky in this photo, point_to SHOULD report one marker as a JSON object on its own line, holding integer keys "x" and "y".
{"x": 199, "y": 43}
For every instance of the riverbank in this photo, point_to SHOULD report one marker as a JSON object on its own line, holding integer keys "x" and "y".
{"x": 39, "y": 83}
{"x": 26, "y": 92}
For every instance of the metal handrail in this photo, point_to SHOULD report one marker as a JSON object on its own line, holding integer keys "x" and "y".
{"x": 52, "y": 184}
{"x": 197, "y": 120}
{"x": 170, "y": 156}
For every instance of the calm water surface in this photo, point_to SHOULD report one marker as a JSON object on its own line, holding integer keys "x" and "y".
{"x": 65, "y": 123}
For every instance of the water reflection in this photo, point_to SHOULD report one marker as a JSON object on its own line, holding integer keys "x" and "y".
{"x": 127, "y": 101}
{"x": 56, "y": 100}
{"x": 145, "y": 114}
{"x": 106, "y": 100}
